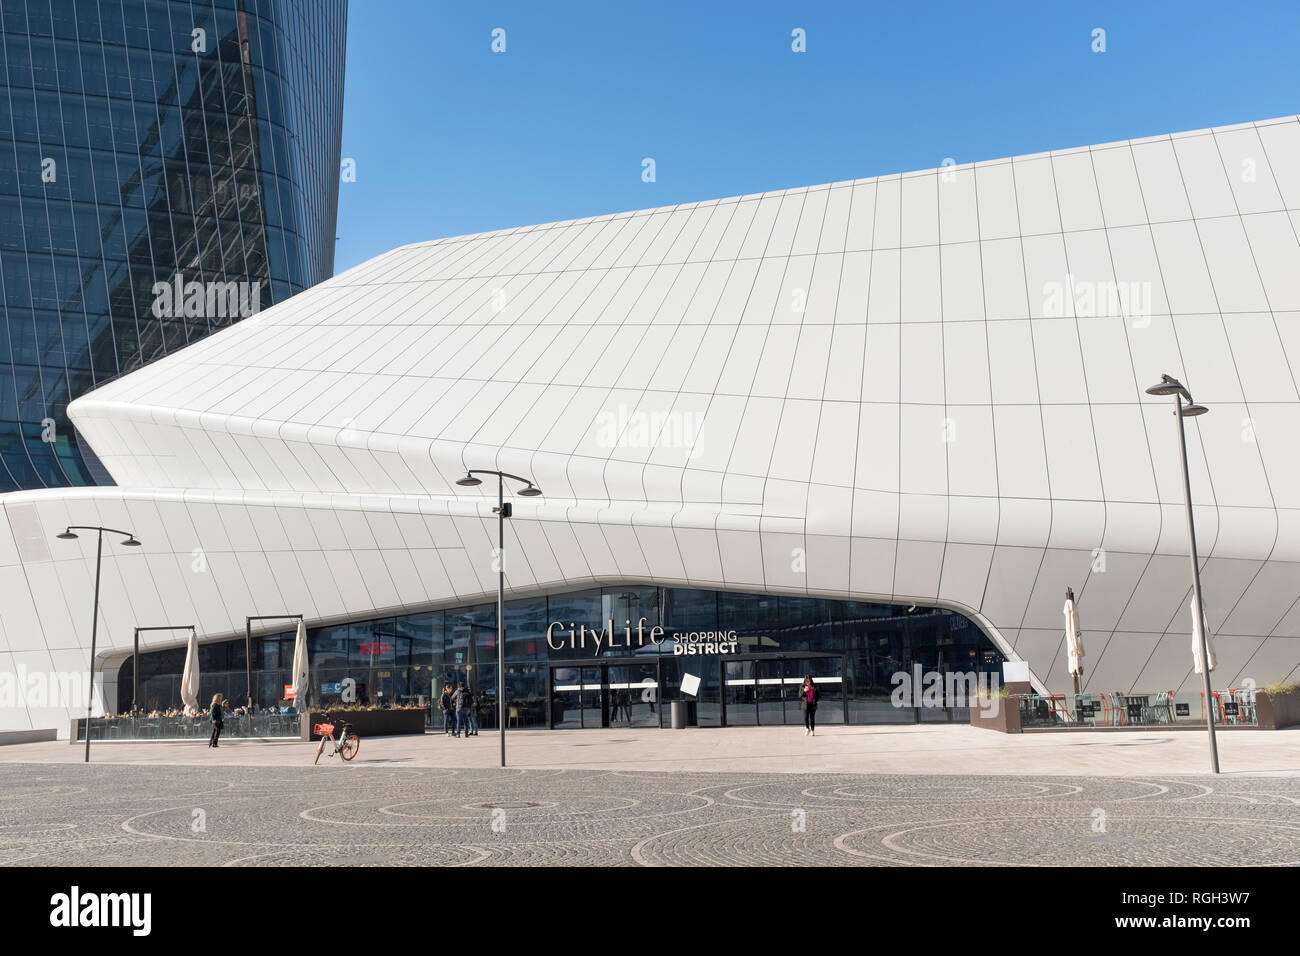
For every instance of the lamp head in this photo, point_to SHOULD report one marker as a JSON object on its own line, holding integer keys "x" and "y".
{"x": 532, "y": 491}
{"x": 1167, "y": 386}
{"x": 1170, "y": 386}
{"x": 131, "y": 542}
{"x": 1191, "y": 411}
{"x": 68, "y": 535}
{"x": 469, "y": 481}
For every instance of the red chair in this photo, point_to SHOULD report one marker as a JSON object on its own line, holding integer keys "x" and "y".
{"x": 1218, "y": 705}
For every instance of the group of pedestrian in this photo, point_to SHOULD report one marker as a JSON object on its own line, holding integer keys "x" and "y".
{"x": 459, "y": 708}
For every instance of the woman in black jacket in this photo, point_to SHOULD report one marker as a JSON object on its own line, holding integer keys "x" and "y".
{"x": 217, "y": 723}
{"x": 808, "y": 695}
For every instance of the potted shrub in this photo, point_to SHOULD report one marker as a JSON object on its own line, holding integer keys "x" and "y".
{"x": 1004, "y": 719}
{"x": 1278, "y": 706}
{"x": 367, "y": 720}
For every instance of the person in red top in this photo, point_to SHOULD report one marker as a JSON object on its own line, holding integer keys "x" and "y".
{"x": 808, "y": 695}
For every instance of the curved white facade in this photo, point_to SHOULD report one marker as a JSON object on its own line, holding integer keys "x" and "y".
{"x": 926, "y": 387}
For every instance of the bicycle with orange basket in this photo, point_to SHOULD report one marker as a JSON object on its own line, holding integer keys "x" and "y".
{"x": 346, "y": 745}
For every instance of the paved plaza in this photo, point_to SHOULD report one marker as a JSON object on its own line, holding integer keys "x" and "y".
{"x": 390, "y": 815}
{"x": 405, "y": 801}
{"x": 897, "y": 749}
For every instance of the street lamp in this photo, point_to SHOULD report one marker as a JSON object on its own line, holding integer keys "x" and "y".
{"x": 70, "y": 534}
{"x": 248, "y": 652}
{"x": 1171, "y": 386}
{"x": 503, "y": 511}
{"x": 135, "y": 657}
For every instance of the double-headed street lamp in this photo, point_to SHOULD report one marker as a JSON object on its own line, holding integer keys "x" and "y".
{"x": 503, "y": 511}
{"x": 1171, "y": 386}
{"x": 70, "y": 534}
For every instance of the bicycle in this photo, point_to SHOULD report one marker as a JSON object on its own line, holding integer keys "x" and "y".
{"x": 346, "y": 745}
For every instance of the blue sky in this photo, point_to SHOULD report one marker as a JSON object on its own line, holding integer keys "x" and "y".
{"x": 451, "y": 138}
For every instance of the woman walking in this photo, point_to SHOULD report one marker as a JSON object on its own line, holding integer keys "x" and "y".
{"x": 808, "y": 695}
{"x": 215, "y": 714}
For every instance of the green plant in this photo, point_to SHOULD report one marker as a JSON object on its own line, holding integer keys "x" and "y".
{"x": 354, "y": 708}
{"x": 1280, "y": 688}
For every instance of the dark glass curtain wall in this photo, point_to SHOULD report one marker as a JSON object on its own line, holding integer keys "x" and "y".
{"x": 141, "y": 140}
{"x": 856, "y": 647}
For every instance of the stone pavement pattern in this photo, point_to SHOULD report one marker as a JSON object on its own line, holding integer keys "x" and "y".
{"x": 902, "y": 749}
{"x": 384, "y": 814}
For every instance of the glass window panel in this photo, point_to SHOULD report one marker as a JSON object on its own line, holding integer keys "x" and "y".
{"x": 38, "y": 18}
{"x": 64, "y": 16}
{"x": 18, "y": 60}
{"x": 526, "y": 624}
{"x": 44, "y": 71}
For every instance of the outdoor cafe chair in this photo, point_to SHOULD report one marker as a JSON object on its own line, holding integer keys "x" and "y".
{"x": 1056, "y": 702}
{"x": 1163, "y": 709}
{"x": 1218, "y": 705}
{"x": 1118, "y": 709}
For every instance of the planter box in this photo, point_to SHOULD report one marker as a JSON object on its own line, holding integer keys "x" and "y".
{"x": 27, "y": 736}
{"x": 367, "y": 723}
{"x": 1006, "y": 720}
{"x": 1275, "y": 711}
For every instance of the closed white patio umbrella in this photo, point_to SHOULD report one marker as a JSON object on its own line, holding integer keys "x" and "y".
{"x": 301, "y": 670}
{"x": 1073, "y": 638}
{"x": 1073, "y": 643}
{"x": 1199, "y": 622}
{"x": 190, "y": 676}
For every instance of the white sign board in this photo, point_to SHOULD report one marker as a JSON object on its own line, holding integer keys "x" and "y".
{"x": 690, "y": 684}
{"x": 1015, "y": 672}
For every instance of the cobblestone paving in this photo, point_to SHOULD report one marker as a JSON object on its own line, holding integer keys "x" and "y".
{"x": 388, "y": 815}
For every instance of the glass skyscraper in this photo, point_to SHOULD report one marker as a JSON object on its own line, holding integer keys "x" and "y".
{"x": 166, "y": 167}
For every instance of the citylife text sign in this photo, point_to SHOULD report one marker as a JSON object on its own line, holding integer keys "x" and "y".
{"x": 576, "y": 637}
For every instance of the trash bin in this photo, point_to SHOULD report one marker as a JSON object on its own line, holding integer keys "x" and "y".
{"x": 679, "y": 715}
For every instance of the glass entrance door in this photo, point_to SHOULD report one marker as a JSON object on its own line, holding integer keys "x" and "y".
{"x": 633, "y": 694}
{"x": 765, "y": 691}
{"x": 828, "y": 674}
{"x": 566, "y": 698}
{"x": 739, "y": 692}
{"x": 772, "y": 692}
{"x": 605, "y": 695}
{"x": 594, "y": 698}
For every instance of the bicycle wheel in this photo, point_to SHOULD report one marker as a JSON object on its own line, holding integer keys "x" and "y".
{"x": 319, "y": 747}
{"x": 349, "y": 748}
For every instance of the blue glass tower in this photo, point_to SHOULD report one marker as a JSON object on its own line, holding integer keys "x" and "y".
{"x": 149, "y": 148}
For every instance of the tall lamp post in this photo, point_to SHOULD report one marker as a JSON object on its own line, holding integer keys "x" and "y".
{"x": 1171, "y": 386}
{"x": 135, "y": 659}
{"x": 503, "y": 511}
{"x": 248, "y": 647}
{"x": 70, "y": 534}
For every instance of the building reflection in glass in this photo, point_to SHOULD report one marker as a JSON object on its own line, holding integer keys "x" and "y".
{"x": 142, "y": 141}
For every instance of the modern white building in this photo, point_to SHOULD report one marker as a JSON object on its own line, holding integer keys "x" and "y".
{"x": 914, "y": 391}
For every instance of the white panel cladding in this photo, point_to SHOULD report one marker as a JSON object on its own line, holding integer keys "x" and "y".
{"x": 931, "y": 382}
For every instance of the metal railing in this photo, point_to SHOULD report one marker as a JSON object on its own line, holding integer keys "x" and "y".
{"x": 1232, "y": 707}
{"x": 260, "y": 726}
